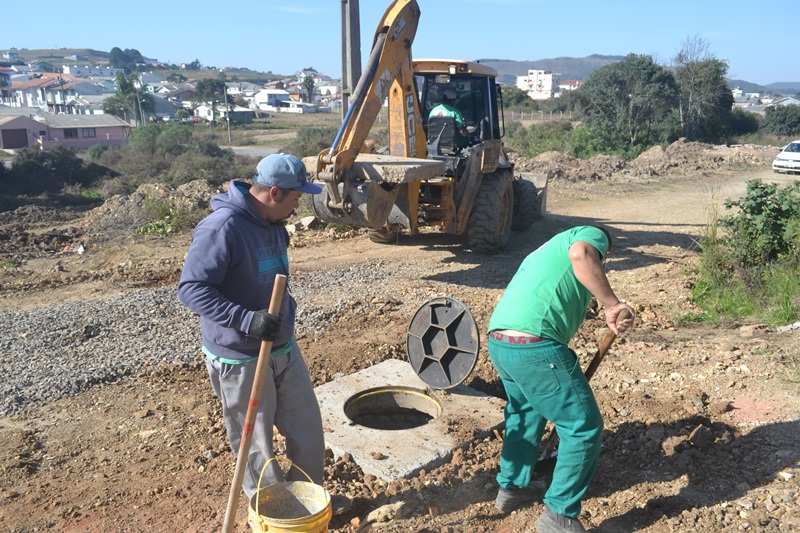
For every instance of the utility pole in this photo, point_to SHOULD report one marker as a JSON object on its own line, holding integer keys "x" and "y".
{"x": 351, "y": 51}
{"x": 227, "y": 111}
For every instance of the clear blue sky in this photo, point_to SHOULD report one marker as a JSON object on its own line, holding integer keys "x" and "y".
{"x": 284, "y": 36}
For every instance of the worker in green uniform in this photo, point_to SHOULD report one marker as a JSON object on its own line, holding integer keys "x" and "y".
{"x": 447, "y": 109}
{"x": 529, "y": 332}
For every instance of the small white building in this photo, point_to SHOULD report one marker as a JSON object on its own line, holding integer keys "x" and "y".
{"x": 539, "y": 84}
{"x": 270, "y": 99}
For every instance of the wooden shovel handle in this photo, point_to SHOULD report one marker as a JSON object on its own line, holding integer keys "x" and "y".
{"x": 605, "y": 344}
{"x": 252, "y": 409}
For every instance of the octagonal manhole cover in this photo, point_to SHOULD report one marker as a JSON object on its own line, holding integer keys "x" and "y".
{"x": 443, "y": 342}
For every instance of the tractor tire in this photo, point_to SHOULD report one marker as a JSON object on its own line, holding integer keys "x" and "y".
{"x": 490, "y": 221}
{"x": 384, "y": 235}
{"x": 527, "y": 206}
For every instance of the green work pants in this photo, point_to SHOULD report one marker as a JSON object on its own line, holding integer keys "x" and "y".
{"x": 544, "y": 381}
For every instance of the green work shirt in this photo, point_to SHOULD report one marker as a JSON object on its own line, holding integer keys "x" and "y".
{"x": 544, "y": 298}
{"x": 444, "y": 110}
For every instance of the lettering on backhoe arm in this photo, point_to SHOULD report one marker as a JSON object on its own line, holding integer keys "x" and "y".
{"x": 398, "y": 28}
{"x": 412, "y": 126}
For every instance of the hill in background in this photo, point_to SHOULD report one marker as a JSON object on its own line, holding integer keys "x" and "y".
{"x": 570, "y": 68}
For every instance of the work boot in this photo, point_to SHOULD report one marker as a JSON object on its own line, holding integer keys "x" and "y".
{"x": 552, "y": 522}
{"x": 340, "y": 504}
{"x": 511, "y": 499}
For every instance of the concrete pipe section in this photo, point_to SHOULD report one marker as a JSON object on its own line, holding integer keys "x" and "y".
{"x": 393, "y": 417}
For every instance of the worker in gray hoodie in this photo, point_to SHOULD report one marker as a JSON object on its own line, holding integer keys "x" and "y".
{"x": 227, "y": 279}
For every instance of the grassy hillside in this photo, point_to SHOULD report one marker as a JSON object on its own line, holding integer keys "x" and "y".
{"x": 570, "y": 68}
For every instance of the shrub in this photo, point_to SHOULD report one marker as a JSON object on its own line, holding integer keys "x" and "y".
{"x": 167, "y": 217}
{"x": 754, "y": 269}
{"x": 782, "y": 120}
{"x": 765, "y": 227}
{"x": 36, "y": 172}
{"x": 743, "y": 122}
{"x": 312, "y": 140}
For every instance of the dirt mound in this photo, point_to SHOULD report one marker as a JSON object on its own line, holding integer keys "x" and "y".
{"x": 124, "y": 212}
{"x": 680, "y": 157}
{"x": 558, "y": 166}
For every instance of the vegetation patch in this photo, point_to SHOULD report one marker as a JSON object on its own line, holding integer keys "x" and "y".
{"x": 752, "y": 270}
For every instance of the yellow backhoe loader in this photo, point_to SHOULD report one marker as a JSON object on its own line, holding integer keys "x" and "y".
{"x": 429, "y": 175}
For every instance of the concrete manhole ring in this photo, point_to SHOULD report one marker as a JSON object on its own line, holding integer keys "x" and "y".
{"x": 392, "y": 408}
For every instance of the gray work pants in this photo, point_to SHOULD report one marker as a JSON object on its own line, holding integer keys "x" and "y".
{"x": 287, "y": 401}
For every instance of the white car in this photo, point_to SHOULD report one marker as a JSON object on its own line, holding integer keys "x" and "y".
{"x": 789, "y": 158}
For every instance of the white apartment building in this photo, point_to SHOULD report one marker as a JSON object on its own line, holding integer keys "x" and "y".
{"x": 539, "y": 84}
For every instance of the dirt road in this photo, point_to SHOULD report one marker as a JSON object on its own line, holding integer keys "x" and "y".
{"x": 701, "y": 422}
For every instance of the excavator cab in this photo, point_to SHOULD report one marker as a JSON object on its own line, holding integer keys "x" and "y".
{"x": 477, "y": 96}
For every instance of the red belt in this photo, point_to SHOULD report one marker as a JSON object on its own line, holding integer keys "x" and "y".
{"x": 514, "y": 339}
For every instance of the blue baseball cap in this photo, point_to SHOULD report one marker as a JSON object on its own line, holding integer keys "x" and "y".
{"x": 284, "y": 171}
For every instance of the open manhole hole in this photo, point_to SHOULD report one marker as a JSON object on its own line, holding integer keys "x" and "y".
{"x": 392, "y": 408}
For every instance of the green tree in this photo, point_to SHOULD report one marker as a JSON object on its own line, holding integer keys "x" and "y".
{"x": 782, "y": 120}
{"x": 129, "y": 100}
{"x": 309, "y": 86}
{"x": 743, "y": 122}
{"x": 175, "y": 77}
{"x": 517, "y": 99}
{"x": 632, "y": 100}
{"x": 125, "y": 59}
{"x": 210, "y": 90}
{"x": 705, "y": 100}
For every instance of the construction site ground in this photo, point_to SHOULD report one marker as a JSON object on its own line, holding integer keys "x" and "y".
{"x": 701, "y": 421}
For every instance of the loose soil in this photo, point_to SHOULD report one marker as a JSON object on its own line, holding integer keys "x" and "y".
{"x": 701, "y": 422}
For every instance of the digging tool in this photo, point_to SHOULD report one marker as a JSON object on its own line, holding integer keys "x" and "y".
{"x": 605, "y": 344}
{"x": 252, "y": 409}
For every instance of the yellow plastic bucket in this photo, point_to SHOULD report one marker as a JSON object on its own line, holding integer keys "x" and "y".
{"x": 290, "y": 507}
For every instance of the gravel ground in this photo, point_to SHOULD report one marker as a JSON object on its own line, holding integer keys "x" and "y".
{"x": 66, "y": 349}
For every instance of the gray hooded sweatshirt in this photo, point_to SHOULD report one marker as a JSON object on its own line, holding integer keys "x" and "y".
{"x": 229, "y": 272}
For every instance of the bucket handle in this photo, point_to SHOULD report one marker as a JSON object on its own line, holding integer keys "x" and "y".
{"x": 264, "y": 468}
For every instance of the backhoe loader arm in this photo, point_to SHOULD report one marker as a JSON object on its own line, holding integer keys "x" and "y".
{"x": 388, "y": 69}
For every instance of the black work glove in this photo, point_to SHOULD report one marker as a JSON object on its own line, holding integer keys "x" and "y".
{"x": 265, "y": 325}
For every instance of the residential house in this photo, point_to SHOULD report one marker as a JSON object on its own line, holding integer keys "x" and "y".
{"x": 80, "y": 71}
{"x": 184, "y": 95}
{"x": 5, "y": 85}
{"x": 539, "y": 84}
{"x": 17, "y": 132}
{"x": 82, "y": 131}
{"x": 270, "y": 99}
{"x": 10, "y": 55}
{"x": 47, "y": 90}
{"x": 295, "y": 106}
{"x": 786, "y": 101}
{"x": 329, "y": 90}
{"x": 238, "y": 113}
{"x": 569, "y": 85}
{"x": 150, "y": 78}
{"x": 165, "y": 107}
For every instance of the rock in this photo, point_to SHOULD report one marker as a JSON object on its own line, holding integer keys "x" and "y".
{"x": 719, "y": 407}
{"x": 751, "y": 330}
{"x": 387, "y": 513}
{"x": 655, "y": 432}
{"x": 310, "y": 222}
{"x": 701, "y": 437}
